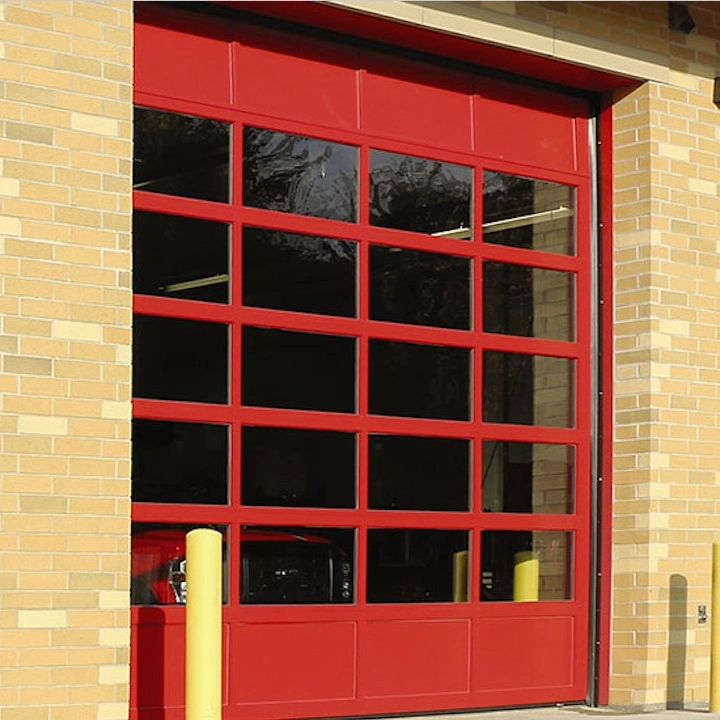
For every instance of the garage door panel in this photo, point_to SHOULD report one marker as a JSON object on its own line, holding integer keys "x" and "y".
{"x": 524, "y": 653}
{"x": 416, "y": 657}
{"x": 283, "y": 662}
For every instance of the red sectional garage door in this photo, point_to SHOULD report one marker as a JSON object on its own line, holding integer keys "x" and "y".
{"x": 362, "y": 351}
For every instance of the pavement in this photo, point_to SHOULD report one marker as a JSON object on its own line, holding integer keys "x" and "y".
{"x": 575, "y": 712}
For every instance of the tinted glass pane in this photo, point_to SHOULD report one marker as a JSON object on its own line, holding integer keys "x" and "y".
{"x": 181, "y": 155}
{"x": 528, "y": 389}
{"x": 287, "y": 271}
{"x": 180, "y": 257}
{"x": 414, "y": 193}
{"x": 180, "y": 359}
{"x": 179, "y": 462}
{"x": 419, "y": 288}
{"x": 298, "y": 468}
{"x": 297, "y": 565}
{"x": 419, "y": 473}
{"x": 300, "y": 175}
{"x": 158, "y": 563}
{"x": 526, "y": 213}
{"x": 304, "y": 371}
{"x": 521, "y": 300}
{"x": 411, "y": 566}
{"x": 526, "y": 565}
{"x": 414, "y": 380}
{"x": 527, "y": 477}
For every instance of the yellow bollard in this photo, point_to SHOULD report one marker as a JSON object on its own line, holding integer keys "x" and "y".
{"x": 715, "y": 631}
{"x": 460, "y": 576}
{"x": 526, "y": 579}
{"x": 203, "y": 625}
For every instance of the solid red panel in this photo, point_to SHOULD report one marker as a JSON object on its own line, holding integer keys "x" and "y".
{"x": 314, "y": 84}
{"x": 522, "y": 653}
{"x": 157, "y": 661}
{"x": 529, "y": 126}
{"x": 417, "y": 103}
{"x": 293, "y": 661}
{"x": 413, "y": 657}
{"x": 183, "y": 62}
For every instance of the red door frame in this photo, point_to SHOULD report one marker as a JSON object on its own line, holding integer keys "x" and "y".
{"x": 335, "y": 19}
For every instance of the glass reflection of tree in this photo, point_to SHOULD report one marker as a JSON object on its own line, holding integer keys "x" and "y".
{"x": 300, "y": 175}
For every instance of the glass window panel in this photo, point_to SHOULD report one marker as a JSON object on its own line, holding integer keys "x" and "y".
{"x": 177, "y": 359}
{"x": 180, "y": 257}
{"x": 419, "y": 288}
{"x": 181, "y": 155}
{"x": 528, "y": 301}
{"x": 297, "y": 565}
{"x": 298, "y": 468}
{"x": 288, "y": 271}
{"x": 158, "y": 563}
{"x": 301, "y": 175}
{"x": 412, "y": 380}
{"x": 528, "y": 389}
{"x": 179, "y": 462}
{"x": 527, "y": 477}
{"x": 303, "y": 371}
{"x": 419, "y": 194}
{"x": 419, "y": 473}
{"x": 417, "y": 566}
{"x": 525, "y": 213}
{"x": 526, "y": 565}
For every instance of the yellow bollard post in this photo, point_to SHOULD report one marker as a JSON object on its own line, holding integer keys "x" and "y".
{"x": 460, "y": 576}
{"x": 203, "y": 625}
{"x": 526, "y": 578}
{"x": 715, "y": 631}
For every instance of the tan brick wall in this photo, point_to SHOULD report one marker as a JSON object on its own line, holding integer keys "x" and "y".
{"x": 65, "y": 314}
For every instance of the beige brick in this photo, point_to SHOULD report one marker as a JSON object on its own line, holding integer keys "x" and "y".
{"x": 42, "y": 618}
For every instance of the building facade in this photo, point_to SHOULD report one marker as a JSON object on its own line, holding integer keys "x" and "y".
{"x": 401, "y": 289}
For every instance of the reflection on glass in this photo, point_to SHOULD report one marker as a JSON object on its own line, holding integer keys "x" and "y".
{"x": 179, "y": 462}
{"x": 419, "y": 288}
{"x": 298, "y": 468}
{"x": 528, "y": 301}
{"x": 301, "y": 175}
{"x": 422, "y": 195}
{"x": 181, "y": 155}
{"x": 287, "y": 271}
{"x": 526, "y": 213}
{"x": 415, "y": 566}
{"x": 528, "y": 389}
{"x": 180, "y": 257}
{"x": 412, "y": 380}
{"x": 158, "y": 563}
{"x": 302, "y": 371}
{"x": 180, "y": 359}
{"x": 419, "y": 473}
{"x": 297, "y": 565}
{"x": 527, "y": 477}
{"x": 526, "y": 565}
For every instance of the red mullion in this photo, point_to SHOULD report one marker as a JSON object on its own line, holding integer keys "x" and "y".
{"x": 148, "y": 409}
{"x": 181, "y": 309}
{"x": 532, "y": 434}
{"x": 301, "y": 224}
{"x": 363, "y": 373}
{"x": 183, "y": 206}
{"x": 393, "y": 237}
{"x": 166, "y": 103}
{"x": 530, "y": 522}
{"x": 531, "y": 346}
{"x": 307, "y": 517}
{"x": 421, "y": 427}
{"x": 419, "y": 520}
{"x": 532, "y": 258}
{"x": 182, "y": 514}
